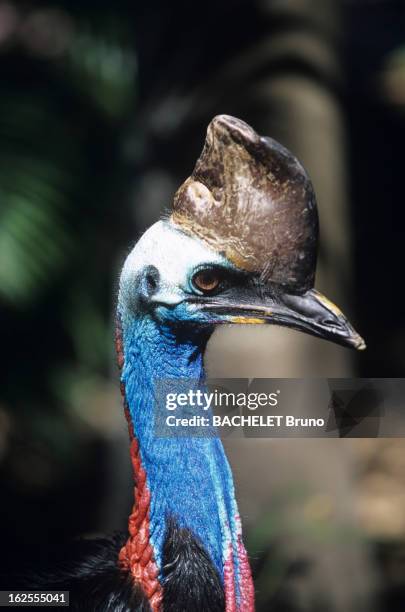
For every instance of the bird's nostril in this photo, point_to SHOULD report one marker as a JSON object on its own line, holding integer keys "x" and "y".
{"x": 330, "y": 323}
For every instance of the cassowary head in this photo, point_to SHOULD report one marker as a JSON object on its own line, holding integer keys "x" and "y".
{"x": 240, "y": 245}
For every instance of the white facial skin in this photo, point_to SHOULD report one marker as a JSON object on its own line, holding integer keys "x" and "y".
{"x": 175, "y": 255}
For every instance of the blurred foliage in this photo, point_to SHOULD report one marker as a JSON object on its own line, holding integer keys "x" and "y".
{"x": 296, "y": 512}
{"x": 43, "y": 165}
{"x": 392, "y": 78}
{"x": 35, "y": 180}
{"x": 68, "y": 89}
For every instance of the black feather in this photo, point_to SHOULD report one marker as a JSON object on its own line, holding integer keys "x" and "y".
{"x": 91, "y": 575}
{"x": 190, "y": 580}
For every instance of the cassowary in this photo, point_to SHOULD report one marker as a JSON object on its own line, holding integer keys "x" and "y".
{"x": 239, "y": 247}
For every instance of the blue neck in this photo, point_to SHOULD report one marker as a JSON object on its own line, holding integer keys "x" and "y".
{"x": 189, "y": 478}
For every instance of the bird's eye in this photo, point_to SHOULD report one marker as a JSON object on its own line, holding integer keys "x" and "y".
{"x": 206, "y": 281}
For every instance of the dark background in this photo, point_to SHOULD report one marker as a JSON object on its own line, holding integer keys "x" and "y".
{"x": 103, "y": 111}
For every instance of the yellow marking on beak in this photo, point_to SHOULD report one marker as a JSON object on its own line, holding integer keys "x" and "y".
{"x": 328, "y": 304}
{"x": 357, "y": 341}
{"x": 248, "y": 320}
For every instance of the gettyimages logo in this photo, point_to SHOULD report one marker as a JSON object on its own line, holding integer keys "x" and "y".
{"x": 207, "y": 400}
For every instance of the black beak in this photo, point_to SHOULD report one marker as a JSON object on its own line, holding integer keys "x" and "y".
{"x": 310, "y": 312}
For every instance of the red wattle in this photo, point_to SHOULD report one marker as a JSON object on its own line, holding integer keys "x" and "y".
{"x": 246, "y": 588}
{"x": 136, "y": 556}
{"x": 247, "y": 591}
{"x": 229, "y": 583}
